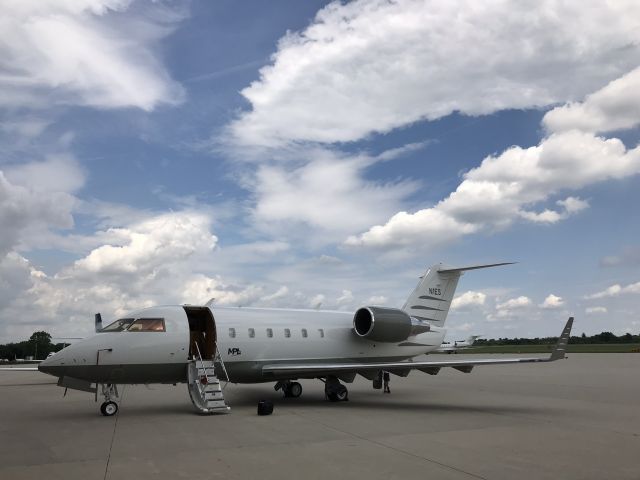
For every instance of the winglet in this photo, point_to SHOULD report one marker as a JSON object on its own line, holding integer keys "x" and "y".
{"x": 561, "y": 347}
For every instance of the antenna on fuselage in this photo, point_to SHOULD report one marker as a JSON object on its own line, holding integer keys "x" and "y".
{"x": 98, "y": 322}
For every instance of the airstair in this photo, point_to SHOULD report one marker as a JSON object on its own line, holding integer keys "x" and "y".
{"x": 204, "y": 385}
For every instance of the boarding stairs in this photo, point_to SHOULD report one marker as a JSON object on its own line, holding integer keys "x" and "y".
{"x": 204, "y": 386}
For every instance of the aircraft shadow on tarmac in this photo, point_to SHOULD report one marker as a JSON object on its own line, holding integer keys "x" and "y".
{"x": 373, "y": 400}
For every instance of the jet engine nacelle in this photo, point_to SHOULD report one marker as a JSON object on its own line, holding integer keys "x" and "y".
{"x": 382, "y": 324}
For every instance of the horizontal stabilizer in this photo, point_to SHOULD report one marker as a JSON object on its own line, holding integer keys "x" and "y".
{"x": 474, "y": 267}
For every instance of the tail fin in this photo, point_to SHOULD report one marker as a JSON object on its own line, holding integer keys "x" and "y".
{"x": 472, "y": 338}
{"x": 431, "y": 299}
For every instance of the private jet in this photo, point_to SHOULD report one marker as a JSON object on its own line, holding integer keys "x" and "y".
{"x": 457, "y": 345}
{"x": 204, "y": 345}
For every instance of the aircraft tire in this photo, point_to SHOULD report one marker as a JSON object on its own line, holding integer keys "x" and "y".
{"x": 295, "y": 389}
{"x": 108, "y": 409}
{"x": 340, "y": 394}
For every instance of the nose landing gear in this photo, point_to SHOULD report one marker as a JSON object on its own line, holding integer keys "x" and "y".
{"x": 109, "y": 407}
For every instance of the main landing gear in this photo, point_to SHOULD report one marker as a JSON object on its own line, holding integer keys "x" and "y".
{"x": 289, "y": 388}
{"x": 335, "y": 391}
{"x": 109, "y": 407}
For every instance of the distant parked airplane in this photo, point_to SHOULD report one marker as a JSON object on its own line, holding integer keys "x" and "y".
{"x": 199, "y": 345}
{"x": 454, "y": 347}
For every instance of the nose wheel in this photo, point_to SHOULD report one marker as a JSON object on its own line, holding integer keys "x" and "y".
{"x": 109, "y": 407}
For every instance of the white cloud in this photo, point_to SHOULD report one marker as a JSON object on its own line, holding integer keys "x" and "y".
{"x": 27, "y": 212}
{"x": 614, "y": 291}
{"x": 345, "y": 299}
{"x": 317, "y": 301}
{"x": 505, "y": 187}
{"x": 514, "y": 303}
{"x": 327, "y": 193}
{"x": 57, "y": 173}
{"x": 595, "y": 310}
{"x": 614, "y": 107}
{"x": 552, "y": 301}
{"x": 377, "y": 300}
{"x": 153, "y": 261}
{"x": 510, "y": 308}
{"x": 149, "y": 246}
{"x": 468, "y": 299}
{"x": 201, "y": 288}
{"x": 280, "y": 293}
{"x": 84, "y": 52}
{"x": 373, "y": 66}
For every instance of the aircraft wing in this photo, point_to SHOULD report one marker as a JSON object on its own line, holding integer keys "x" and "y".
{"x": 283, "y": 370}
{"x": 20, "y": 369}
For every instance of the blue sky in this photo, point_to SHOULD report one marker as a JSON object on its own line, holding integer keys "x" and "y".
{"x": 295, "y": 154}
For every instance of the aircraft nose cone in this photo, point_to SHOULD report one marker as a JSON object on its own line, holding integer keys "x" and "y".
{"x": 45, "y": 366}
{"x": 51, "y": 366}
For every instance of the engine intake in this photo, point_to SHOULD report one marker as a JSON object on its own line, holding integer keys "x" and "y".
{"x": 382, "y": 324}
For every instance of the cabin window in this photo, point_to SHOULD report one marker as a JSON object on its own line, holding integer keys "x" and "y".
{"x": 287, "y": 333}
{"x": 270, "y": 332}
{"x": 252, "y": 333}
{"x": 321, "y": 332}
{"x": 147, "y": 325}
{"x": 118, "y": 325}
{"x": 232, "y": 332}
{"x": 304, "y": 333}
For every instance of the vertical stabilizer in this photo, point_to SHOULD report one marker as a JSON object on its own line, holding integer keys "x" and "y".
{"x": 431, "y": 299}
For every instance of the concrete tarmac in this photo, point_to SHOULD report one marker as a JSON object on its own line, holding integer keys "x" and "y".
{"x": 572, "y": 419}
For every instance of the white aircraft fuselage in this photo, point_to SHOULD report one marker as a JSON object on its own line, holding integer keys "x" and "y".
{"x": 247, "y": 339}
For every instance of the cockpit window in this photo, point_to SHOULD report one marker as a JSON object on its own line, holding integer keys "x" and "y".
{"x": 147, "y": 325}
{"x": 119, "y": 325}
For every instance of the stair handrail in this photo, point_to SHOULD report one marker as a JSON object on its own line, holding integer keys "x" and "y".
{"x": 204, "y": 369}
{"x": 224, "y": 369}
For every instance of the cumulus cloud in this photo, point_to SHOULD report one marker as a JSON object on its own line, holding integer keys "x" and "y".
{"x": 280, "y": 293}
{"x": 38, "y": 199}
{"x": 614, "y": 107}
{"x": 514, "y": 303}
{"x": 595, "y": 310}
{"x": 468, "y": 299}
{"x": 614, "y": 291}
{"x": 84, "y": 52}
{"x": 510, "y": 308}
{"x": 552, "y": 301}
{"x": 154, "y": 261}
{"x": 377, "y": 300}
{"x": 150, "y": 245}
{"x": 373, "y": 65}
{"x": 327, "y": 193}
{"x": 345, "y": 299}
{"x": 505, "y": 187}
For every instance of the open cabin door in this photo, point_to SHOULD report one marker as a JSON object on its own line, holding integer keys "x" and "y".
{"x": 202, "y": 332}
{"x": 203, "y": 379}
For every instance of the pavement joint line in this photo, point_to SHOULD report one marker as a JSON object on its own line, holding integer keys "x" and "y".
{"x": 113, "y": 434}
{"x": 380, "y": 444}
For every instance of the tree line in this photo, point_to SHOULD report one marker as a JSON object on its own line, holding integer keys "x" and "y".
{"x": 603, "y": 337}
{"x": 38, "y": 346}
